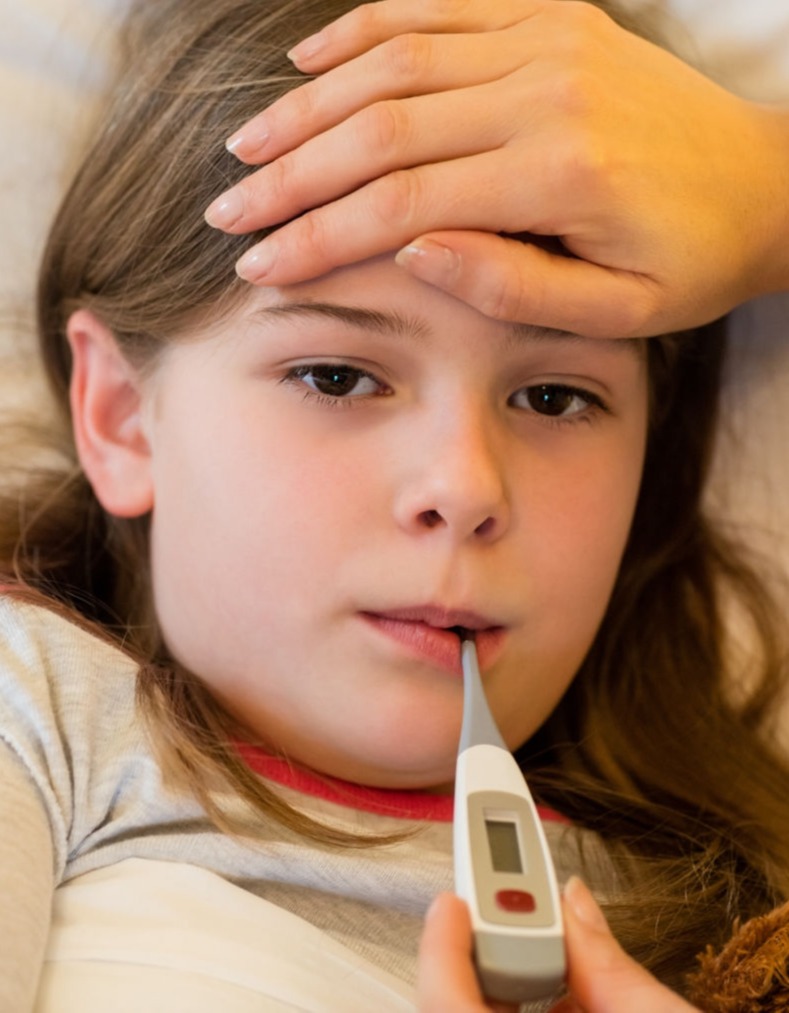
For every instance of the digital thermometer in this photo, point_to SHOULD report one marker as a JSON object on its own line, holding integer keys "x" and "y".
{"x": 503, "y": 869}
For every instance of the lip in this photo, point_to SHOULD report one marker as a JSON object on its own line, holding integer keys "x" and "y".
{"x": 423, "y": 631}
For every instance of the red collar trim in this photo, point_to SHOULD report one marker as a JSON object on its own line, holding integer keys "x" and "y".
{"x": 410, "y": 805}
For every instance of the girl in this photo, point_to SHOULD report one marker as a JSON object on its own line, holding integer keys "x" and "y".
{"x": 228, "y": 632}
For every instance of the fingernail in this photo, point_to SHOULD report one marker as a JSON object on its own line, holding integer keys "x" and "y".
{"x": 257, "y": 262}
{"x": 236, "y": 141}
{"x": 583, "y": 905}
{"x": 226, "y": 210}
{"x": 248, "y": 142}
{"x": 429, "y": 261}
{"x": 307, "y": 48}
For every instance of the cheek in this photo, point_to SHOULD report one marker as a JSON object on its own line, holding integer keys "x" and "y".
{"x": 586, "y": 519}
{"x": 245, "y": 498}
{"x": 579, "y": 529}
{"x": 569, "y": 587}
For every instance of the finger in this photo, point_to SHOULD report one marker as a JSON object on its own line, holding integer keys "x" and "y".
{"x": 482, "y": 192}
{"x": 509, "y": 279}
{"x": 388, "y": 136}
{"x": 503, "y": 278}
{"x": 566, "y": 1005}
{"x": 446, "y": 978}
{"x": 409, "y": 59}
{"x": 406, "y": 66}
{"x": 602, "y": 977}
{"x": 370, "y": 24}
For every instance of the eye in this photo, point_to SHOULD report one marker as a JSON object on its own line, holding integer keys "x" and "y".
{"x": 556, "y": 400}
{"x": 337, "y": 381}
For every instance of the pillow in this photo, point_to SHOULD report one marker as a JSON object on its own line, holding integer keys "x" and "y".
{"x": 744, "y": 44}
{"x": 55, "y": 56}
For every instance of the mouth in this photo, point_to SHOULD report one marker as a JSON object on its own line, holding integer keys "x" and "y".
{"x": 433, "y": 634}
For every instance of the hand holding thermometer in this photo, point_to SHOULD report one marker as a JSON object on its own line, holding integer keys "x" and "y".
{"x": 503, "y": 869}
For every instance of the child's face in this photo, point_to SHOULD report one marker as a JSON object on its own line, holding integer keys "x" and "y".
{"x": 334, "y": 486}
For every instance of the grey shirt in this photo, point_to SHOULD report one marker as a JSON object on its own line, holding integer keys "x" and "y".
{"x": 81, "y": 790}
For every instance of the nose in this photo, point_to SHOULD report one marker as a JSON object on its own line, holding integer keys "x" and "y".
{"x": 456, "y": 480}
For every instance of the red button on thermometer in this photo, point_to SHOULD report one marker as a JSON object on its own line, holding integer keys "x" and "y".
{"x": 503, "y": 868}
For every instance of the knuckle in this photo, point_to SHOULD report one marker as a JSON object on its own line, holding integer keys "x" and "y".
{"x": 630, "y": 313}
{"x": 301, "y": 102}
{"x": 366, "y": 19}
{"x": 502, "y": 295}
{"x": 384, "y": 126}
{"x": 278, "y": 179}
{"x": 397, "y": 198}
{"x": 577, "y": 37}
{"x": 580, "y": 20}
{"x": 634, "y": 317}
{"x": 586, "y": 166}
{"x": 455, "y": 12}
{"x": 573, "y": 92}
{"x": 315, "y": 236}
{"x": 406, "y": 57}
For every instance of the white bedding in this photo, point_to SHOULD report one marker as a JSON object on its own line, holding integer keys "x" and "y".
{"x": 174, "y": 938}
{"x": 744, "y": 44}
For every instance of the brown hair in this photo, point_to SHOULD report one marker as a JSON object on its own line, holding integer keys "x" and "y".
{"x": 664, "y": 741}
{"x": 649, "y": 746}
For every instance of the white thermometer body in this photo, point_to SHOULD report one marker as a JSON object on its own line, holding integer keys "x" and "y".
{"x": 503, "y": 868}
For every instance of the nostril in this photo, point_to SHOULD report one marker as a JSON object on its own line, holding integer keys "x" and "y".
{"x": 430, "y": 518}
{"x": 486, "y": 527}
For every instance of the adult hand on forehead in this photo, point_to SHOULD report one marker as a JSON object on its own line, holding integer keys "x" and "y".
{"x": 435, "y": 125}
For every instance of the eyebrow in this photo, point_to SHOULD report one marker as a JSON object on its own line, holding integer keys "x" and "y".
{"x": 380, "y": 321}
{"x": 392, "y": 322}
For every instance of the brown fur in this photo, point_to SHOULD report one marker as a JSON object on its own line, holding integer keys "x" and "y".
{"x": 751, "y": 973}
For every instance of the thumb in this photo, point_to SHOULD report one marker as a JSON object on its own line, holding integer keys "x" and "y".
{"x": 446, "y": 978}
{"x": 602, "y": 978}
{"x": 512, "y": 279}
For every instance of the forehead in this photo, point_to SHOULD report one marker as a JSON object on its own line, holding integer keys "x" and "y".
{"x": 410, "y": 326}
{"x": 378, "y": 297}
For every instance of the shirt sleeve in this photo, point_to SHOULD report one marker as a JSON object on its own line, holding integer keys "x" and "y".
{"x": 26, "y": 883}
{"x": 36, "y": 791}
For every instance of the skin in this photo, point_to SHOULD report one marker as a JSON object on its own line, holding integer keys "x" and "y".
{"x": 428, "y": 117}
{"x": 285, "y": 525}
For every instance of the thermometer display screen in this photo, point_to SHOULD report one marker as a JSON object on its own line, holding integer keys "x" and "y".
{"x": 505, "y": 850}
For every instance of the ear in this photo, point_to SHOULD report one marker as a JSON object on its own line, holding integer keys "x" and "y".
{"x": 107, "y": 417}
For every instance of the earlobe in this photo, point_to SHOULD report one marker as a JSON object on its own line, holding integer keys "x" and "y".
{"x": 106, "y": 409}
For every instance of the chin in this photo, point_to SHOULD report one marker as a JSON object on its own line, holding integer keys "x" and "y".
{"x": 437, "y": 781}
